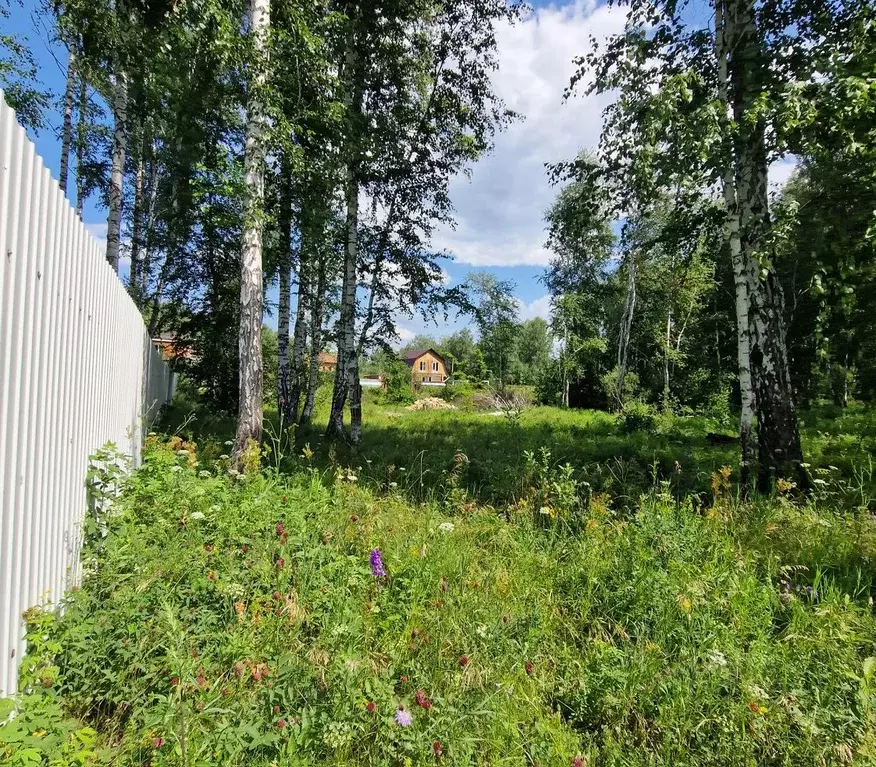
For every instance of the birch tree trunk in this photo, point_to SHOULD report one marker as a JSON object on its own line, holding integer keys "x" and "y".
{"x": 135, "y": 278}
{"x": 67, "y": 128}
{"x": 316, "y": 310}
{"x": 347, "y": 373}
{"x": 81, "y": 128}
{"x": 299, "y": 337}
{"x": 666, "y": 391}
{"x": 117, "y": 173}
{"x": 725, "y": 32}
{"x": 249, "y": 415}
{"x": 149, "y": 225}
{"x": 779, "y": 451}
{"x": 285, "y": 227}
{"x": 626, "y": 327}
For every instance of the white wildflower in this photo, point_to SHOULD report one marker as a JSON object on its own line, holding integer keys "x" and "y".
{"x": 759, "y": 692}
{"x": 175, "y": 469}
{"x": 717, "y": 658}
{"x": 482, "y": 630}
{"x": 446, "y": 527}
{"x": 196, "y": 515}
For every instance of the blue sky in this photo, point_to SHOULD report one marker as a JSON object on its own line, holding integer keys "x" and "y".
{"x": 500, "y": 208}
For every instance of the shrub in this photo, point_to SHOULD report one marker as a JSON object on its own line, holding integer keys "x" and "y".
{"x": 458, "y": 386}
{"x": 397, "y": 388}
{"x": 637, "y": 416}
{"x": 632, "y": 389}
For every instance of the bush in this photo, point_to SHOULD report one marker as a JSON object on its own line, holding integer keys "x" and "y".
{"x": 458, "y": 386}
{"x": 632, "y": 389}
{"x": 549, "y": 387}
{"x": 397, "y": 383}
{"x": 637, "y": 416}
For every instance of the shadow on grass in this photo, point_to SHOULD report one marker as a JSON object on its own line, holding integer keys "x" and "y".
{"x": 429, "y": 454}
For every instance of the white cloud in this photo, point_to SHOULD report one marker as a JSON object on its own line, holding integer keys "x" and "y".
{"x": 500, "y": 210}
{"x": 781, "y": 171}
{"x": 97, "y": 229}
{"x": 404, "y": 334}
{"x": 540, "y": 307}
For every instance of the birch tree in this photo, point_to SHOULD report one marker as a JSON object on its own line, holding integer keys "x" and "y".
{"x": 249, "y": 417}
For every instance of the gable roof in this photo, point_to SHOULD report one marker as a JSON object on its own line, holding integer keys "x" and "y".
{"x": 412, "y": 356}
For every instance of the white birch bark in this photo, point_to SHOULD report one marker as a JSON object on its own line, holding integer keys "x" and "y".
{"x": 724, "y": 31}
{"x": 117, "y": 172}
{"x": 626, "y": 327}
{"x": 134, "y": 280}
{"x": 285, "y": 227}
{"x": 347, "y": 372}
{"x": 316, "y": 310}
{"x": 81, "y": 127}
{"x": 249, "y": 416}
{"x": 67, "y": 126}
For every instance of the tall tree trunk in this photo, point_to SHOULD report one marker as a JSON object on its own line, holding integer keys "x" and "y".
{"x": 149, "y": 223}
{"x": 135, "y": 279}
{"x": 67, "y": 128}
{"x": 724, "y": 33}
{"x": 666, "y": 391}
{"x": 347, "y": 372}
{"x": 249, "y": 415}
{"x": 316, "y": 310}
{"x": 117, "y": 173}
{"x": 626, "y": 327}
{"x": 299, "y": 336}
{"x": 778, "y": 437}
{"x": 81, "y": 129}
{"x": 285, "y": 227}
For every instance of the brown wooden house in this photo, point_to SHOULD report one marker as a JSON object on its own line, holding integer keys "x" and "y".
{"x": 427, "y": 366}
{"x": 328, "y": 363}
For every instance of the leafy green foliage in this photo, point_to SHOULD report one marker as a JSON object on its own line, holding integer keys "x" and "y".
{"x": 237, "y": 620}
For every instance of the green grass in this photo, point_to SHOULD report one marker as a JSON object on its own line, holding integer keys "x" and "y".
{"x": 569, "y": 624}
{"x": 838, "y": 443}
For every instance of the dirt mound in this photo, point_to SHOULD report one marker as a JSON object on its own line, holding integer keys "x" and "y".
{"x": 431, "y": 403}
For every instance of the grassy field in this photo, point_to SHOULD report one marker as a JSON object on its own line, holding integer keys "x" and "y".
{"x": 429, "y": 453}
{"x": 454, "y": 594}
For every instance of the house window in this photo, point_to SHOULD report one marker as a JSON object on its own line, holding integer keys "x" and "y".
{"x": 422, "y": 364}
{"x": 435, "y": 366}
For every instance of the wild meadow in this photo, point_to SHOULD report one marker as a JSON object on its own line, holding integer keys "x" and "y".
{"x": 540, "y": 587}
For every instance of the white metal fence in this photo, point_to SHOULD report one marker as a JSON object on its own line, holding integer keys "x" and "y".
{"x": 77, "y": 370}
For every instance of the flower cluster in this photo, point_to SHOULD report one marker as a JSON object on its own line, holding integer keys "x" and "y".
{"x": 377, "y": 568}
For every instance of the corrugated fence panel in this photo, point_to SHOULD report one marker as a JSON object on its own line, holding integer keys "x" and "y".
{"x": 77, "y": 370}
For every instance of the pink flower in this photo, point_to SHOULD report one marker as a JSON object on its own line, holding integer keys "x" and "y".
{"x": 403, "y": 717}
{"x": 157, "y": 742}
{"x": 422, "y": 700}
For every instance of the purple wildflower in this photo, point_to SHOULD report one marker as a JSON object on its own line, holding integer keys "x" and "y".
{"x": 377, "y": 568}
{"x": 403, "y": 717}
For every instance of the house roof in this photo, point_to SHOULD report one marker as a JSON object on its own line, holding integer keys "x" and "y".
{"x": 326, "y": 357}
{"x": 412, "y": 356}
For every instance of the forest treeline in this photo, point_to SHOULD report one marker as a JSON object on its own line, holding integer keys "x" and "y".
{"x": 311, "y": 144}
